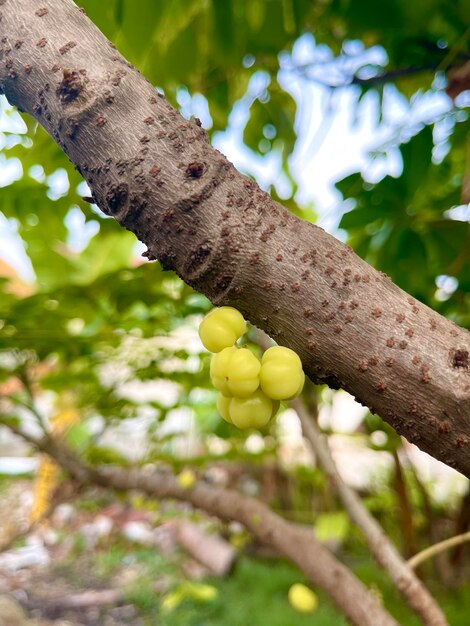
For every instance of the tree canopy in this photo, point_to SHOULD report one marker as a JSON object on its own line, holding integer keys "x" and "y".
{"x": 405, "y": 225}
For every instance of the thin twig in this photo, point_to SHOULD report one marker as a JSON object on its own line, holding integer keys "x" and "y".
{"x": 32, "y": 409}
{"x": 24, "y": 377}
{"x": 18, "y": 431}
{"x": 405, "y": 512}
{"x": 448, "y": 62}
{"x": 391, "y": 75}
{"x": 442, "y": 565}
{"x": 437, "y": 548}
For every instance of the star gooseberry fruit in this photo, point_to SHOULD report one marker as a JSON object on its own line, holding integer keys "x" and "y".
{"x": 252, "y": 412}
{"x": 235, "y": 372}
{"x": 281, "y": 375}
{"x": 302, "y": 598}
{"x": 221, "y": 328}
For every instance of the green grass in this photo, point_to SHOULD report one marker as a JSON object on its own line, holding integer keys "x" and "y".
{"x": 255, "y": 594}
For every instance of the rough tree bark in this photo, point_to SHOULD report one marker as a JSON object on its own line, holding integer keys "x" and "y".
{"x": 158, "y": 176}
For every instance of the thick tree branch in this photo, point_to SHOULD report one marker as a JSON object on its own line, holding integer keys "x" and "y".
{"x": 292, "y": 541}
{"x": 158, "y": 176}
{"x": 380, "y": 545}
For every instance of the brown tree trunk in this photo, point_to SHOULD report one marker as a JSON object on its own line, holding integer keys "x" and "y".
{"x": 157, "y": 174}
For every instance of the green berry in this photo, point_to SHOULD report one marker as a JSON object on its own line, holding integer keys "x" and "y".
{"x": 221, "y": 328}
{"x": 252, "y": 412}
{"x": 281, "y": 375}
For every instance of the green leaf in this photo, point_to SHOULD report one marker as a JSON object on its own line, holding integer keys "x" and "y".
{"x": 449, "y": 240}
{"x": 102, "y": 454}
{"x": 416, "y": 155}
{"x": 104, "y": 255}
{"x": 359, "y": 218}
{"x": 279, "y": 113}
{"x": 332, "y": 526}
{"x": 351, "y": 185}
{"x": 78, "y": 437}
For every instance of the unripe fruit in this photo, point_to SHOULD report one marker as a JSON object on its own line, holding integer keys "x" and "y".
{"x": 302, "y": 599}
{"x": 252, "y": 412}
{"x": 221, "y": 328}
{"x": 250, "y": 391}
{"x": 186, "y": 479}
{"x": 281, "y": 375}
{"x": 219, "y": 369}
{"x": 243, "y": 373}
{"x": 281, "y": 352}
{"x": 235, "y": 372}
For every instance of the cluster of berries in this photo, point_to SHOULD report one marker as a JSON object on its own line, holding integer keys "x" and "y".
{"x": 249, "y": 389}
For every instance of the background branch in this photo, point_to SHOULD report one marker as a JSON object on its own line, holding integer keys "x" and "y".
{"x": 437, "y": 548}
{"x": 24, "y": 377}
{"x": 295, "y": 542}
{"x": 382, "y": 548}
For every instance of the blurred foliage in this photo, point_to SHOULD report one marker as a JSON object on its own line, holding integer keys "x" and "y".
{"x": 96, "y": 328}
{"x": 408, "y": 226}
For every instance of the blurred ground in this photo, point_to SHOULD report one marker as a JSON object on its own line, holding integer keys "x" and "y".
{"x": 110, "y": 560}
{"x": 106, "y": 559}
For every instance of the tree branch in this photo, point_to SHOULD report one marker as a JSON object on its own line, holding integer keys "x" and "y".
{"x": 448, "y": 62}
{"x": 405, "y": 512}
{"x": 292, "y": 541}
{"x": 402, "y": 72}
{"x": 380, "y": 545}
{"x": 437, "y": 548}
{"x": 157, "y": 175}
{"x": 392, "y": 75}
{"x": 20, "y": 433}
{"x": 459, "y": 81}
